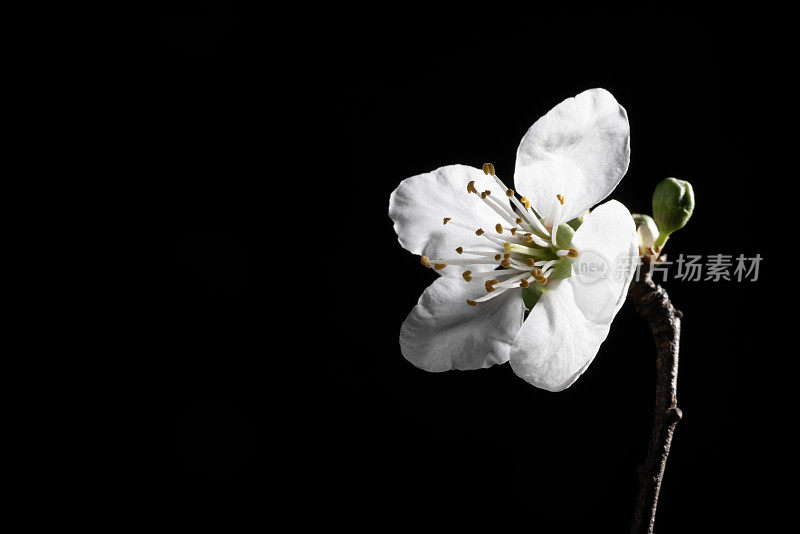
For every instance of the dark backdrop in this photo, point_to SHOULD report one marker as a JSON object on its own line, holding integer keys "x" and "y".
{"x": 279, "y": 141}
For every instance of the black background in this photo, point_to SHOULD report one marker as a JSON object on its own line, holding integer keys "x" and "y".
{"x": 276, "y": 286}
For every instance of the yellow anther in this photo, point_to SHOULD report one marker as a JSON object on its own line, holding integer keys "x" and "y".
{"x": 541, "y": 281}
{"x": 529, "y": 262}
{"x": 526, "y": 203}
{"x": 572, "y": 253}
{"x": 471, "y": 187}
{"x": 507, "y": 246}
{"x": 560, "y": 198}
{"x": 439, "y": 266}
{"x": 519, "y": 220}
{"x": 466, "y": 275}
{"x": 424, "y": 260}
{"x": 499, "y": 228}
{"x": 446, "y": 220}
{"x": 505, "y": 263}
{"x": 536, "y": 273}
{"x": 460, "y": 250}
{"x": 497, "y": 257}
{"x": 528, "y": 238}
{"x": 510, "y": 193}
{"x": 488, "y": 168}
{"x": 479, "y": 231}
{"x": 489, "y": 285}
{"x": 472, "y": 302}
{"x": 487, "y": 192}
{"x": 523, "y": 283}
{"x": 506, "y": 255}
{"x": 514, "y": 231}
{"x": 483, "y": 195}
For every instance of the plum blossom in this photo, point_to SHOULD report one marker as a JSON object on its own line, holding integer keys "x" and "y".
{"x": 498, "y": 255}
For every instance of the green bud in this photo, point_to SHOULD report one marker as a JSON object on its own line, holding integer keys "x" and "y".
{"x": 564, "y": 236}
{"x": 673, "y": 204}
{"x": 646, "y": 230}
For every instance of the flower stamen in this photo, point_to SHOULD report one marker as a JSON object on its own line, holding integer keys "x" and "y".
{"x": 498, "y": 288}
{"x": 511, "y": 216}
{"x": 485, "y": 254}
{"x": 493, "y": 294}
{"x": 489, "y": 201}
{"x": 513, "y": 280}
{"x": 546, "y": 265}
{"x": 463, "y": 261}
{"x": 557, "y": 219}
{"x": 533, "y": 238}
{"x": 523, "y": 205}
{"x": 492, "y": 274}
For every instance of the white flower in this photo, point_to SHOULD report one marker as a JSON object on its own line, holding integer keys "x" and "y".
{"x": 493, "y": 246}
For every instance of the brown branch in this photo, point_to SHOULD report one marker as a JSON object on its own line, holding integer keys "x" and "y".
{"x": 652, "y": 303}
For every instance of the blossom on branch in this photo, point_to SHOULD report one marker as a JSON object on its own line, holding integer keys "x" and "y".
{"x": 499, "y": 255}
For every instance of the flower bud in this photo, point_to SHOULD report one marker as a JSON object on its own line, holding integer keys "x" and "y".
{"x": 673, "y": 204}
{"x": 647, "y": 232}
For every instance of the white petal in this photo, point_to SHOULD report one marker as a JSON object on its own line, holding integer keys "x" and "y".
{"x": 607, "y": 238}
{"x": 565, "y": 329}
{"x": 443, "y": 332}
{"x": 419, "y": 204}
{"x": 580, "y": 149}
{"x": 557, "y": 342}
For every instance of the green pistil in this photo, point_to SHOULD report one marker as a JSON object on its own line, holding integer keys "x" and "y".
{"x": 537, "y": 253}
